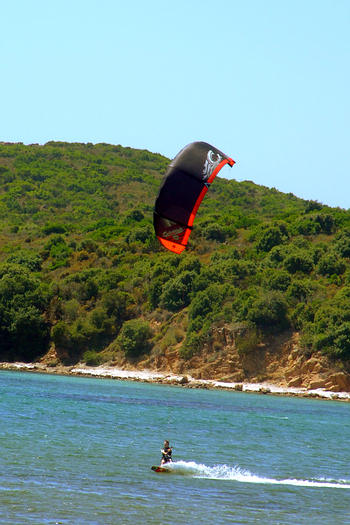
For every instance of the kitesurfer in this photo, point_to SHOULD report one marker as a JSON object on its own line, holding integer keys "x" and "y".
{"x": 166, "y": 453}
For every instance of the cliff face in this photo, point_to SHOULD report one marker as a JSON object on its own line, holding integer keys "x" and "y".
{"x": 279, "y": 360}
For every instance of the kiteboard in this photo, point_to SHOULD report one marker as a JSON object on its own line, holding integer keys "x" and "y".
{"x": 160, "y": 469}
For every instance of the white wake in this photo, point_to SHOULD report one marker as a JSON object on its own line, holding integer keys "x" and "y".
{"x": 225, "y": 472}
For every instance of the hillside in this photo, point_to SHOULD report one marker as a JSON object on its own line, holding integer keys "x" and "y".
{"x": 262, "y": 291}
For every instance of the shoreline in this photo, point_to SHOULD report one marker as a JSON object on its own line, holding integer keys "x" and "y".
{"x": 184, "y": 380}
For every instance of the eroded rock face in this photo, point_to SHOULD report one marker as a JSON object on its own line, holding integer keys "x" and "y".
{"x": 279, "y": 360}
{"x": 339, "y": 382}
{"x": 296, "y": 382}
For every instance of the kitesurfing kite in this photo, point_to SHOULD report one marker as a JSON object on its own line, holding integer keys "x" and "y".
{"x": 186, "y": 181}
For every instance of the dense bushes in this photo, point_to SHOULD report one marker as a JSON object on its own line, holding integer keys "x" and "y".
{"x": 330, "y": 329}
{"x": 81, "y": 269}
{"x": 24, "y": 332}
{"x": 315, "y": 224}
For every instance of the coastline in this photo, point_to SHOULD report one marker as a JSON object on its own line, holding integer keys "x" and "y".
{"x": 149, "y": 376}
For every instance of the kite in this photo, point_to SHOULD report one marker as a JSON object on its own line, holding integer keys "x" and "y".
{"x": 186, "y": 181}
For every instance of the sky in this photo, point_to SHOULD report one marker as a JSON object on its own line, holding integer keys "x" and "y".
{"x": 265, "y": 81}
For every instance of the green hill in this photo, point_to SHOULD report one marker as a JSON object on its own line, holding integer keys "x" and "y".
{"x": 82, "y": 272}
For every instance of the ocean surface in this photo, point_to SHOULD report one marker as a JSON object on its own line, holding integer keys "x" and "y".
{"x": 79, "y": 450}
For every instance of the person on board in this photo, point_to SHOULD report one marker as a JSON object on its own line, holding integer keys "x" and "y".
{"x": 166, "y": 453}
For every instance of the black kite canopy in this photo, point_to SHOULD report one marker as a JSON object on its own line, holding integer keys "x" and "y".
{"x": 186, "y": 181}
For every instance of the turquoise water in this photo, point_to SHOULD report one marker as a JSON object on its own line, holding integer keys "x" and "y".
{"x": 79, "y": 451}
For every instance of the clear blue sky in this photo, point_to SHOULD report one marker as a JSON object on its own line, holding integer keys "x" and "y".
{"x": 266, "y": 81}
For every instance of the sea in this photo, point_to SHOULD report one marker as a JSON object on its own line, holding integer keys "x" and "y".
{"x": 77, "y": 450}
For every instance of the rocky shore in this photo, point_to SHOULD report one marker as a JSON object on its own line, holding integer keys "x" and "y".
{"x": 187, "y": 381}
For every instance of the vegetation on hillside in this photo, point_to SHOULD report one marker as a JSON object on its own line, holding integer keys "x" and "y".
{"x": 80, "y": 267}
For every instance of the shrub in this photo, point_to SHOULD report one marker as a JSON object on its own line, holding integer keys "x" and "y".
{"x": 331, "y": 264}
{"x": 298, "y": 261}
{"x": 29, "y": 260}
{"x": 88, "y": 289}
{"x": 236, "y": 270}
{"x": 57, "y": 249}
{"x": 135, "y": 215}
{"x": 312, "y": 206}
{"x": 342, "y": 244}
{"x": 248, "y": 341}
{"x": 214, "y": 232}
{"x": 327, "y": 223}
{"x": 61, "y": 337}
{"x": 52, "y": 227}
{"x": 71, "y": 309}
{"x": 275, "y": 257}
{"x": 302, "y": 315}
{"x": 72, "y": 339}
{"x": 269, "y": 311}
{"x": 99, "y": 318}
{"x": 307, "y": 226}
{"x": 335, "y": 342}
{"x": 154, "y": 292}
{"x": 299, "y": 290}
{"x": 206, "y": 301}
{"x": 277, "y": 280}
{"x": 315, "y": 224}
{"x": 134, "y": 337}
{"x": 190, "y": 264}
{"x": 88, "y": 245}
{"x": 192, "y": 345}
{"x": 140, "y": 234}
{"x": 272, "y": 236}
{"x": 330, "y": 329}
{"x": 92, "y": 358}
{"x": 115, "y": 303}
{"x": 175, "y": 294}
